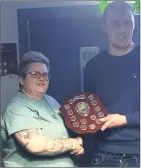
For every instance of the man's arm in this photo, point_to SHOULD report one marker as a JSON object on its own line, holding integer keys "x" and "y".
{"x": 133, "y": 119}
{"x": 35, "y": 143}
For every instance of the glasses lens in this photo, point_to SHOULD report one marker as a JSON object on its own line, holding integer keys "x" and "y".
{"x": 46, "y": 76}
{"x": 36, "y": 74}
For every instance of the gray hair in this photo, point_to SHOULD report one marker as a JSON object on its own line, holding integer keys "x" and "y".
{"x": 117, "y": 5}
{"x": 29, "y": 58}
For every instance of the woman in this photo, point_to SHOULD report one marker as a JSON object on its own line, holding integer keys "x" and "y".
{"x": 37, "y": 134}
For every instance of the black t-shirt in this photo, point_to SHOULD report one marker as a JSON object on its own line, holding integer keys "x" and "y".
{"x": 115, "y": 79}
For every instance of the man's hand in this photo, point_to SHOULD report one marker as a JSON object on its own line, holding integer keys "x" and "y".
{"x": 113, "y": 120}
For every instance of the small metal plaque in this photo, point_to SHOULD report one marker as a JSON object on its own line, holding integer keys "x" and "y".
{"x": 97, "y": 108}
{"x": 71, "y": 101}
{"x": 83, "y": 121}
{"x": 91, "y": 97}
{"x": 97, "y": 121}
{"x": 67, "y": 107}
{"x": 93, "y": 117}
{"x": 70, "y": 112}
{"x": 83, "y": 127}
{"x": 100, "y": 114}
{"x": 94, "y": 102}
{"x": 73, "y": 118}
{"x": 76, "y": 124}
{"x": 92, "y": 126}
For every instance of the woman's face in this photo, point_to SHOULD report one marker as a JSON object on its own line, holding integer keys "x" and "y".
{"x": 34, "y": 83}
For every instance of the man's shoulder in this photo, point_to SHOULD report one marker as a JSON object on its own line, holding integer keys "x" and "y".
{"x": 101, "y": 55}
{"x": 136, "y": 53}
{"x": 98, "y": 58}
{"x": 137, "y": 48}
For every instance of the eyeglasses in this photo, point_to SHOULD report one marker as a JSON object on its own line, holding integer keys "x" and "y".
{"x": 37, "y": 75}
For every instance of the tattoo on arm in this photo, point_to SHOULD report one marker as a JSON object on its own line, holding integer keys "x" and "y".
{"x": 58, "y": 146}
{"x": 25, "y": 135}
{"x": 42, "y": 145}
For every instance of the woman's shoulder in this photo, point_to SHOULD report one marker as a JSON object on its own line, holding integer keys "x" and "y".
{"x": 19, "y": 101}
{"x": 50, "y": 98}
{"x": 52, "y": 101}
{"x": 18, "y": 98}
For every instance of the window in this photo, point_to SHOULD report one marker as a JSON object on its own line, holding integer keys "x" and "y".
{"x": 135, "y": 4}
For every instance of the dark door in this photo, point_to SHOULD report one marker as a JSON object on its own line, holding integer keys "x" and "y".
{"x": 60, "y": 39}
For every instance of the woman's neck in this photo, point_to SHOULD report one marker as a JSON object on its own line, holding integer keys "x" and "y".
{"x": 120, "y": 52}
{"x": 35, "y": 96}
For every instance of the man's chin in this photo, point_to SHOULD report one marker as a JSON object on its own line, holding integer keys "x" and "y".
{"x": 122, "y": 46}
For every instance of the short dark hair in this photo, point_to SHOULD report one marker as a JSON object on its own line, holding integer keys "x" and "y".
{"x": 116, "y": 4}
{"x": 29, "y": 58}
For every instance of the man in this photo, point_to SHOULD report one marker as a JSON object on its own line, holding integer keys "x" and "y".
{"x": 114, "y": 76}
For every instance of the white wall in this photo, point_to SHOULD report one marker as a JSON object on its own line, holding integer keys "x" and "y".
{"x": 9, "y": 34}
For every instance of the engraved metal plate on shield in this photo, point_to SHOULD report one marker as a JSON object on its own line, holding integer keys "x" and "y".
{"x": 71, "y": 101}
{"x": 100, "y": 114}
{"x": 83, "y": 121}
{"x": 97, "y": 108}
{"x": 94, "y": 102}
{"x": 92, "y": 126}
{"x": 97, "y": 121}
{"x": 83, "y": 127}
{"x": 67, "y": 106}
{"x": 76, "y": 124}
{"x": 91, "y": 97}
{"x": 73, "y": 118}
{"x": 83, "y": 96}
{"x": 70, "y": 112}
{"x": 76, "y": 98}
{"x": 93, "y": 117}
{"x": 82, "y": 108}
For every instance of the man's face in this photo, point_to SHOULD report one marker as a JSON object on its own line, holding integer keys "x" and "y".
{"x": 119, "y": 26}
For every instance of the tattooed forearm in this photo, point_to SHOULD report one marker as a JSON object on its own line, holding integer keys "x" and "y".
{"x": 35, "y": 143}
{"x": 26, "y": 135}
{"x": 58, "y": 146}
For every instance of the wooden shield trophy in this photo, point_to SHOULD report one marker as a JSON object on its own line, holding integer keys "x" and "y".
{"x": 82, "y": 112}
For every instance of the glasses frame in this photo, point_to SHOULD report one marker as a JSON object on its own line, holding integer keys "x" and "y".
{"x": 37, "y": 75}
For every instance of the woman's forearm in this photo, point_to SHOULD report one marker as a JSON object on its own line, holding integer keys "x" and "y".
{"x": 52, "y": 147}
{"x": 35, "y": 143}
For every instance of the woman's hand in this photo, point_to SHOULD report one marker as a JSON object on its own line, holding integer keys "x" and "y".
{"x": 35, "y": 143}
{"x": 79, "y": 150}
